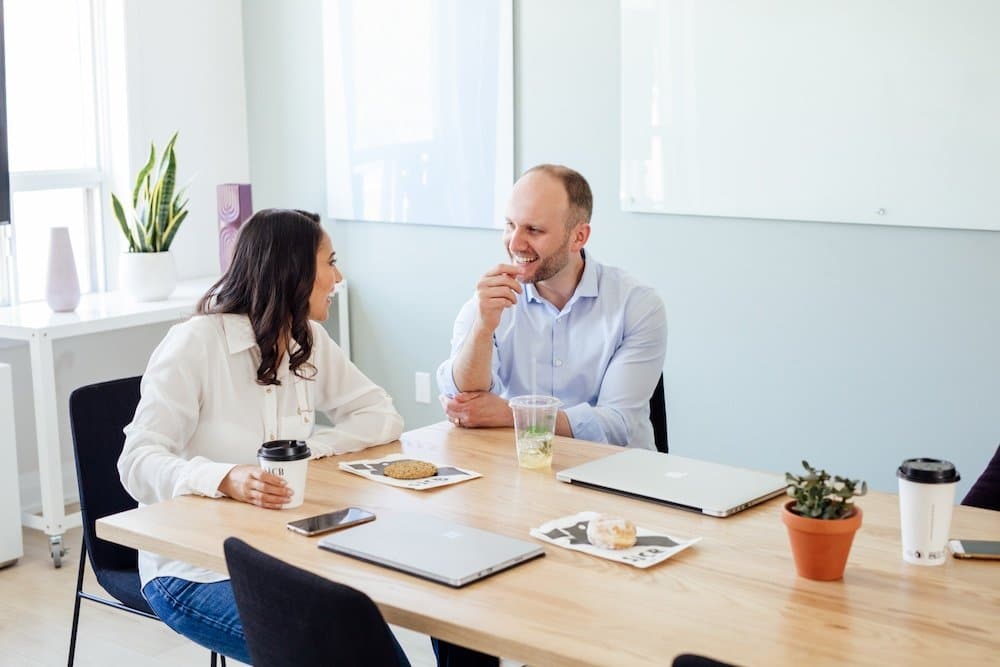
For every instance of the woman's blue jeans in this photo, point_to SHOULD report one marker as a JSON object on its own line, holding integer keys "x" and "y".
{"x": 206, "y": 614}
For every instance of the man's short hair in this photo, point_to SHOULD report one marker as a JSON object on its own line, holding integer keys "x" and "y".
{"x": 581, "y": 200}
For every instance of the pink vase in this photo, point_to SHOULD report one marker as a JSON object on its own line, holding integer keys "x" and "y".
{"x": 62, "y": 287}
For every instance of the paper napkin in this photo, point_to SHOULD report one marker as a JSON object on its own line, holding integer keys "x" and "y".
{"x": 650, "y": 547}
{"x": 372, "y": 469}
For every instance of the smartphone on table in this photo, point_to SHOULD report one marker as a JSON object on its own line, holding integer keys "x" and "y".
{"x": 331, "y": 521}
{"x": 975, "y": 548}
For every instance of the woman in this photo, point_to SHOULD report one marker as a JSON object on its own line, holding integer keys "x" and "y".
{"x": 253, "y": 365}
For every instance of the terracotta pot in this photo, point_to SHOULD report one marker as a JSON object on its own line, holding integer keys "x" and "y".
{"x": 820, "y": 546}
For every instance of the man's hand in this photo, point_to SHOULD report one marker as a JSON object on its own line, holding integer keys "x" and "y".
{"x": 250, "y": 484}
{"x": 477, "y": 409}
{"x": 497, "y": 290}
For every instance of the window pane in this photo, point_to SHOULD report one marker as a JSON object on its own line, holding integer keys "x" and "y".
{"x": 33, "y": 214}
{"x": 50, "y": 89}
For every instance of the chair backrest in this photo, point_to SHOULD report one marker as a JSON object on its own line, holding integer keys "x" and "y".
{"x": 691, "y": 660}
{"x": 985, "y": 491}
{"x": 295, "y": 618}
{"x": 97, "y": 415}
{"x": 658, "y": 416}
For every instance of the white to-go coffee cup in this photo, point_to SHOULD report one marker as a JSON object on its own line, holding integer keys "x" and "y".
{"x": 288, "y": 459}
{"x": 926, "y": 499}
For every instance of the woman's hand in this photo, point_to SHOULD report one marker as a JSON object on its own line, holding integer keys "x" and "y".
{"x": 250, "y": 484}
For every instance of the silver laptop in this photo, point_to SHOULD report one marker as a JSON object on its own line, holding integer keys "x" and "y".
{"x": 431, "y": 548}
{"x": 700, "y": 486}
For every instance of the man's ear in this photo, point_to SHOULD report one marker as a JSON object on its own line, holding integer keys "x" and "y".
{"x": 579, "y": 236}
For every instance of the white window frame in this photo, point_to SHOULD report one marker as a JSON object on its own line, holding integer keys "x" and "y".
{"x": 104, "y": 45}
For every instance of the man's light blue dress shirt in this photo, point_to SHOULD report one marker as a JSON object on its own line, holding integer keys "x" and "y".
{"x": 601, "y": 355}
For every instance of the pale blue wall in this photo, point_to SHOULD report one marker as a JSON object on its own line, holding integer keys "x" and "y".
{"x": 853, "y": 346}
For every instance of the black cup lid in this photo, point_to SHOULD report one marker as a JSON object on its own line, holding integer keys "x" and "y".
{"x": 284, "y": 450}
{"x": 928, "y": 471}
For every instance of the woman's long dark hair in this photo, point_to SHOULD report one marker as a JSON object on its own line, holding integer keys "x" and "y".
{"x": 270, "y": 281}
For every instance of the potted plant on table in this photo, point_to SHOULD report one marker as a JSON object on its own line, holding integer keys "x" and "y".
{"x": 147, "y": 271}
{"x": 821, "y": 521}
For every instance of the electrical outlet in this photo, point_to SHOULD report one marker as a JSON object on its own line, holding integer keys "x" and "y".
{"x": 422, "y": 383}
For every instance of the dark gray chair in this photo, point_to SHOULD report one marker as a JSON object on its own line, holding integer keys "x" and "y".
{"x": 293, "y": 618}
{"x": 985, "y": 492}
{"x": 97, "y": 415}
{"x": 658, "y": 416}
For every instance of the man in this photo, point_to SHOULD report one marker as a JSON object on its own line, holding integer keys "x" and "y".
{"x": 555, "y": 321}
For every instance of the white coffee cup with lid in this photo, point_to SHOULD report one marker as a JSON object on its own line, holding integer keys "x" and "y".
{"x": 288, "y": 459}
{"x": 926, "y": 500}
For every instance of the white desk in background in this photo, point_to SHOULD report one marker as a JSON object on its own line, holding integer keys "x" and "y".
{"x": 99, "y": 312}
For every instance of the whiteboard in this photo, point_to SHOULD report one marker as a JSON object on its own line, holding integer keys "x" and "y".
{"x": 863, "y": 111}
{"x": 419, "y": 110}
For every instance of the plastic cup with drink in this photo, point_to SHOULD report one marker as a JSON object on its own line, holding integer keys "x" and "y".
{"x": 534, "y": 428}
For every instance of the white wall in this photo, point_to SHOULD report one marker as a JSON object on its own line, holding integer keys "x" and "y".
{"x": 184, "y": 71}
{"x": 853, "y": 346}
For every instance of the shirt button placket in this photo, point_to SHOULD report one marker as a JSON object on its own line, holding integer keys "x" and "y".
{"x": 271, "y": 410}
{"x": 558, "y": 352}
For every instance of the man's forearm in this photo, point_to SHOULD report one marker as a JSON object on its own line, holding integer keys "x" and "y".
{"x": 473, "y": 369}
{"x": 563, "y": 427}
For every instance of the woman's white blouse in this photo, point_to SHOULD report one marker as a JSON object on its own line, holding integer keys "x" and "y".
{"x": 202, "y": 413}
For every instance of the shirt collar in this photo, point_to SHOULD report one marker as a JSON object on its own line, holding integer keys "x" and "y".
{"x": 239, "y": 333}
{"x": 586, "y": 287}
{"x": 240, "y": 337}
{"x": 588, "y": 281}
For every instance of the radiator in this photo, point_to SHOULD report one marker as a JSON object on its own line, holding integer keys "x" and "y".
{"x": 11, "y": 546}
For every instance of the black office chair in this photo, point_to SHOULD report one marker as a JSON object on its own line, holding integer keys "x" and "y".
{"x": 658, "y": 415}
{"x": 985, "y": 492}
{"x": 691, "y": 660}
{"x": 97, "y": 415}
{"x": 293, "y": 618}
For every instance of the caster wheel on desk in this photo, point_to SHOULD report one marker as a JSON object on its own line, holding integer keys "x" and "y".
{"x": 56, "y": 550}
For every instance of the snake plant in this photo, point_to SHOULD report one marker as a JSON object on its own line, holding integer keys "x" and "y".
{"x": 158, "y": 207}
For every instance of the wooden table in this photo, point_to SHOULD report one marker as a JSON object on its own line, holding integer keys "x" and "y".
{"x": 734, "y": 596}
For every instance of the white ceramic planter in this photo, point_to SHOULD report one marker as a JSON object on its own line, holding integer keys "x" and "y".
{"x": 147, "y": 276}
